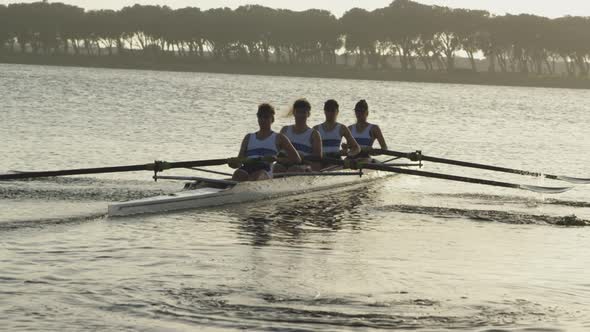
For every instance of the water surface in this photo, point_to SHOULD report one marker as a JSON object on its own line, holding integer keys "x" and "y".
{"x": 402, "y": 253}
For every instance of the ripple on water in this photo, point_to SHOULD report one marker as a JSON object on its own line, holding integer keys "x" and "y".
{"x": 488, "y": 216}
{"x": 379, "y": 258}
{"x": 225, "y": 306}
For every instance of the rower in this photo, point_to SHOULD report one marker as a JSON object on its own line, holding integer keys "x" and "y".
{"x": 365, "y": 133}
{"x": 332, "y": 133}
{"x": 263, "y": 144}
{"x": 307, "y": 141}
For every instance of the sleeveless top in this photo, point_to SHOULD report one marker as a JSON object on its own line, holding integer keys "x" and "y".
{"x": 363, "y": 138}
{"x": 331, "y": 140}
{"x": 262, "y": 148}
{"x": 301, "y": 142}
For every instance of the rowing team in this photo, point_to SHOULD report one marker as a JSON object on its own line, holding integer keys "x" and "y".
{"x": 295, "y": 142}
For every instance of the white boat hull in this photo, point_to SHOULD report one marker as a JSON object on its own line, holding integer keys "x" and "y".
{"x": 241, "y": 193}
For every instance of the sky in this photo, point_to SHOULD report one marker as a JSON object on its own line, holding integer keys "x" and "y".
{"x": 549, "y": 8}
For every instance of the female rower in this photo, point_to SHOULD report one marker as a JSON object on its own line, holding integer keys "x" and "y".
{"x": 332, "y": 133}
{"x": 307, "y": 141}
{"x": 365, "y": 133}
{"x": 260, "y": 149}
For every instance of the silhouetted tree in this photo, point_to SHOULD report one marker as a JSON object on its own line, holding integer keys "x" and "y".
{"x": 408, "y": 27}
{"x": 361, "y": 39}
{"x": 145, "y": 25}
{"x": 5, "y": 29}
{"x": 470, "y": 31}
{"x": 571, "y": 41}
{"x": 404, "y": 30}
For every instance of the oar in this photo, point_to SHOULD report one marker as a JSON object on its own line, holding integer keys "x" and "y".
{"x": 385, "y": 168}
{"x": 413, "y": 156}
{"x": 157, "y": 166}
{"x": 537, "y": 189}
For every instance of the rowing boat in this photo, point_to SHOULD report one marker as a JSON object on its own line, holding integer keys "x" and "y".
{"x": 202, "y": 193}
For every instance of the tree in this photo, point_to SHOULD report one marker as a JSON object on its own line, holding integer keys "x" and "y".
{"x": 5, "y": 30}
{"x": 319, "y": 37}
{"x": 19, "y": 19}
{"x": 407, "y": 27}
{"x": 186, "y": 29}
{"x": 571, "y": 40}
{"x": 104, "y": 30}
{"x": 254, "y": 32}
{"x": 361, "y": 38}
{"x": 146, "y": 25}
{"x": 219, "y": 27}
{"x": 470, "y": 31}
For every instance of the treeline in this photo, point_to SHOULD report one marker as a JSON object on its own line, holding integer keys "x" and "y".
{"x": 415, "y": 35}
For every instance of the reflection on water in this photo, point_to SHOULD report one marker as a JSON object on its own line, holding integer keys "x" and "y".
{"x": 291, "y": 221}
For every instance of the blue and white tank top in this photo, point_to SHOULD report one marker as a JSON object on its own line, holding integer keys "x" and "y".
{"x": 301, "y": 142}
{"x": 363, "y": 138}
{"x": 262, "y": 148}
{"x": 331, "y": 140}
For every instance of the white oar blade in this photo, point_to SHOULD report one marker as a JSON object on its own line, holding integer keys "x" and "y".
{"x": 546, "y": 190}
{"x": 574, "y": 180}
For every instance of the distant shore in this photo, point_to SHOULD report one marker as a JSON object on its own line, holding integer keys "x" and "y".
{"x": 317, "y": 71}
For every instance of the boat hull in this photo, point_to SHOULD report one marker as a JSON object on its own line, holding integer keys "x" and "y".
{"x": 241, "y": 193}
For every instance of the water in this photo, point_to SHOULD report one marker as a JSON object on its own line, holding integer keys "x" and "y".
{"x": 405, "y": 253}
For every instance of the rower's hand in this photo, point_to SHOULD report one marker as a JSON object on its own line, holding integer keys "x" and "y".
{"x": 351, "y": 164}
{"x": 283, "y": 160}
{"x": 345, "y": 149}
{"x": 269, "y": 159}
{"x": 414, "y": 156}
{"x": 369, "y": 151}
{"x": 351, "y": 152}
{"x": 234, "y": 163}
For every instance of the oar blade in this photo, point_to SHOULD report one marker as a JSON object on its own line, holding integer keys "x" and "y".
{"x": 545, "y": 190}
{"x": 573, "y": 180}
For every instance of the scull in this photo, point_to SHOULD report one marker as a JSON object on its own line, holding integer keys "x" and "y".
{"x": 203, "y": 192}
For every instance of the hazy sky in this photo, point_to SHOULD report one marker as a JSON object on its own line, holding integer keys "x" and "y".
{"x": 551, "y": 8}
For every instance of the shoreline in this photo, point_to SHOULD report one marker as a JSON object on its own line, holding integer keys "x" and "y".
{"x": 308, "y": 71}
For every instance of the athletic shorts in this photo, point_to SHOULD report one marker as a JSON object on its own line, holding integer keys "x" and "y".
{"x": 255, "y": 167}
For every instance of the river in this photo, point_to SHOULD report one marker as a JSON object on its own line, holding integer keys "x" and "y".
{"x": 401, "y": 253}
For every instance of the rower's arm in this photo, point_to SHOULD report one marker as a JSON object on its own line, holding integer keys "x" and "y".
{"x": 285, "y": 145}
{"x": 353, "y": 147}
{"x": 316, "y": 144}
{"x": 244, "y": 147}
{"x": 379, "y": 136}
{"x": 236, "y": 163}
